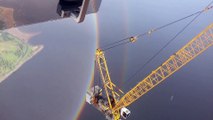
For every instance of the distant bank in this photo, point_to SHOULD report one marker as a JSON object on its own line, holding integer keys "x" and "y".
{"x": 14, "y": 53}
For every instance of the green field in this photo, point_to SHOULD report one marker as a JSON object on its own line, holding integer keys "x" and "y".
{"x": 13, "y": 53}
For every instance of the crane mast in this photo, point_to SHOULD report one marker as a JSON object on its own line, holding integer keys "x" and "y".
{"x": 112, "y": 93}
{"x": 114, "y": 107}
{"x": 109, "y": 86}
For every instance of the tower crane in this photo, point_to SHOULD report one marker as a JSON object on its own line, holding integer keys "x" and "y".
{"x": 113, "y": 105}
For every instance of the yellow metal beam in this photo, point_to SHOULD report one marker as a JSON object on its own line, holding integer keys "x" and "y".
{"x": 105, "y": 76}
{"x": 191, "y": 50}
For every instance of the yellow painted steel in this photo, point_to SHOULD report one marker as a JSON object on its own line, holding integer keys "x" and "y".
{"x": 109, "y": 87}
{"x": 191, "y": 50}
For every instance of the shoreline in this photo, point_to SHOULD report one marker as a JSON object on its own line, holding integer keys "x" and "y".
{"x": 16, "y": 32}
{"x": 36, "y": 50}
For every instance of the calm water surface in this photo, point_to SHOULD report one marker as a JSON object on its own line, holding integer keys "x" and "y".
{"x": 50, "y": 86}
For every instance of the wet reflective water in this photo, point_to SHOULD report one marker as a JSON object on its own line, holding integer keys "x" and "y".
{"x": 50, "y": 86}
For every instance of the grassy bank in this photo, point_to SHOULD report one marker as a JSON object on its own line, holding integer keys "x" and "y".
{"x": 13, "y": 53}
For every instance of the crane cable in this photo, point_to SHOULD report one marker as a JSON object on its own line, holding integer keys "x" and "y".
{"x": 173, "y": 38}
{"x": 134, "y": 38}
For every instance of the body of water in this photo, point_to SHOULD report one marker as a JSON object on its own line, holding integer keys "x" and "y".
{"x": 52, "y": 85}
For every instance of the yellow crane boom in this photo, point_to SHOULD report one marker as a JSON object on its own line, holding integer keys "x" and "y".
{"x": 114, "y": 107}
{"x": 191, "y": 50}
{"x": 109, "y": 86}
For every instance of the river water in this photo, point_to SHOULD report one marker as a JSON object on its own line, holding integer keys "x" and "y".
{"x": 51, "y": 86}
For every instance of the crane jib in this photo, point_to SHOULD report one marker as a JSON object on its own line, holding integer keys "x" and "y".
{"x": 187, "y": 53}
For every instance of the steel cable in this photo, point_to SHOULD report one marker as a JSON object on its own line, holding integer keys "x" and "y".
{"x": 171, "y": 40}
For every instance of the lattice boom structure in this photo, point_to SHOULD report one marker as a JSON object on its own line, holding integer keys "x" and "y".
{"x": 191, "y": 50}
{"x": 109, "y": 86}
